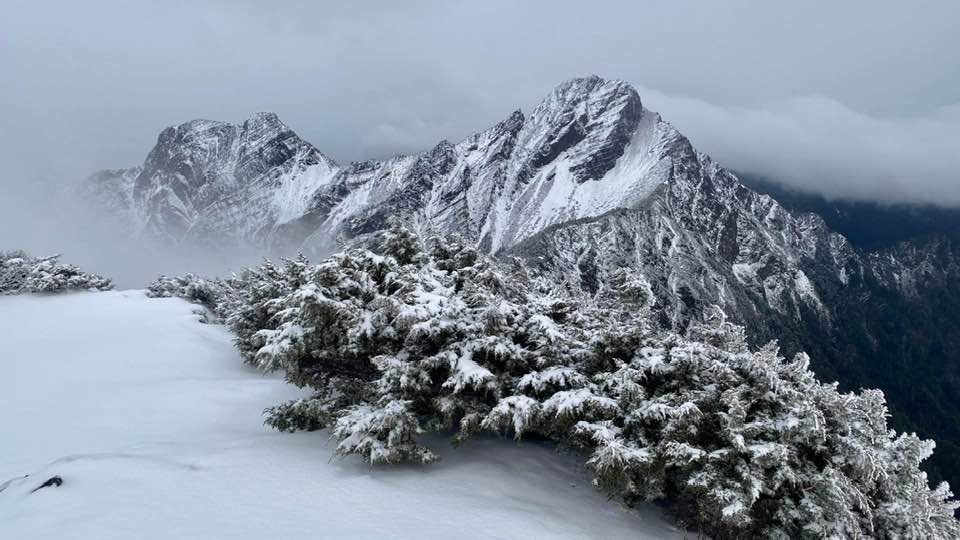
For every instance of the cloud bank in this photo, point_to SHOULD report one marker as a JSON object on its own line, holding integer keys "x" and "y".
{"x": 818, "y": 145}
{"x": 855, "y": 99}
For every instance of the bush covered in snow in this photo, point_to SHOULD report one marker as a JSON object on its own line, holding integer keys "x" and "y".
{"x": 238, "y": 299}
{"x": 22, "y": 273}
{"x": 737, "y": 442}
{"x": 214, "y": 294}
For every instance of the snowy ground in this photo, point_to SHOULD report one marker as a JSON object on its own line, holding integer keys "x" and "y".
{"x": 155, "y": 427}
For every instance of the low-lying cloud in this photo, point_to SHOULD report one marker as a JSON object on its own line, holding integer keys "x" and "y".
{"x": 818, "y": 145}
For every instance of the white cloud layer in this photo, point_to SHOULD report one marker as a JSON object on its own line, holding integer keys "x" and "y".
{"x": 819, "y": 145}
{"x": 853, "y": 99}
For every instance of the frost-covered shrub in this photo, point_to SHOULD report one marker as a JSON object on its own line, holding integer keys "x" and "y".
{"x": 214, "y": 294}
{"x": 188, "y": 286}
{"x": 22, "y": 273}
{"x": 738, "y": 442}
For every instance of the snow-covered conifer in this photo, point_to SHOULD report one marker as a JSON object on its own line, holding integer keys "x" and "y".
{"x": 22, "y": 273}
{"x": 435, "y": 337}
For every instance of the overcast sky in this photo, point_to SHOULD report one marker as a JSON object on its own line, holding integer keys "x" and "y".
{"x": 854, "y": 99}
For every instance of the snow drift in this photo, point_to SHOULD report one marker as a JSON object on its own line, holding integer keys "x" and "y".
{"x": 154, "y": 424}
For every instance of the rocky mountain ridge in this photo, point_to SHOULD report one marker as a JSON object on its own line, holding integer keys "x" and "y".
{"x": 590, "y": 180}
{"x": 589, "y": 147}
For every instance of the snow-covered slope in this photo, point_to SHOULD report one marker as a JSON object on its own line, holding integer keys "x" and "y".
{"x": 154, "y": 425}
{"x": 705, "y": 240}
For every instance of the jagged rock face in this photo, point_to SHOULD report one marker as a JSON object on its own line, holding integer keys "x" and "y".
{"x": 112, "y": 190}
{"x": 914, "y": 267}
{"x": 701, "y": 239}
{"x": 214, "y": 182}
{"x": 589, "y": 122}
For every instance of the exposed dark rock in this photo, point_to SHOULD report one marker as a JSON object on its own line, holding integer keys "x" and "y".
{"x": 53, "y": 481}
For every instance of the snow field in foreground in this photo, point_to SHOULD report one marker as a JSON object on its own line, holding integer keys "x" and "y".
{"x": 155, "y": 426}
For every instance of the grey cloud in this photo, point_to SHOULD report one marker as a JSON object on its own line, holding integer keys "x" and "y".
{"x": 89, "y": 85}
{"x": 817, "y": 144}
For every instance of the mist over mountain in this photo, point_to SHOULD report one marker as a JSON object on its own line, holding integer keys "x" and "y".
{"x": 868, "y": 225}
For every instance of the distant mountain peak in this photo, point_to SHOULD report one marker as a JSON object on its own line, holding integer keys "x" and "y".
{"x": 591, "y": 95}
{"x": 511, "y": 181}
{"x": 590, "y": 83}
{"x": 265, "y": 117}
{"x": 589, "y": 118}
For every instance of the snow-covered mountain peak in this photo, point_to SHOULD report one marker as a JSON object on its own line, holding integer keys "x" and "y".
{"x": 214, "y": 145}
{"x": 180, "y": 144}
{"x": 589, "y": 88}
{"x": 197, "y": 166}
{"x": 264, "y": 117}
{"x": 587, "y": 120}
{"x": 587, "y": 148}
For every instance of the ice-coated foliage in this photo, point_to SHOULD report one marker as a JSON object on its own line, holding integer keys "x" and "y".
{"x": 22, "y": 273}
{"x": 217, "y": 295}
{"x": 208, "y": 292}
{"x": 435, "y": 337}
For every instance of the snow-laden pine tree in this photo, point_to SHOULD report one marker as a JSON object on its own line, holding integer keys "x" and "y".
{"x": 22, "y": 273}
{"x": 435, "y": 337}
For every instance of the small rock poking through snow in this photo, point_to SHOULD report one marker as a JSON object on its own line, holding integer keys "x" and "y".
{"x": 153, "y": 425}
